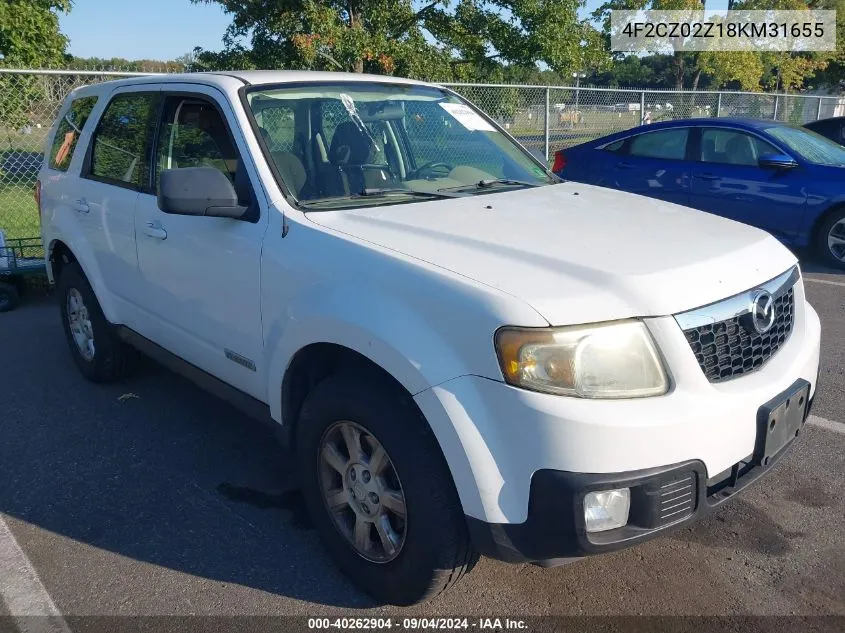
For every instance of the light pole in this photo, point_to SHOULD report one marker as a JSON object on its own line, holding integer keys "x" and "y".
{"x": 577, "y": 77}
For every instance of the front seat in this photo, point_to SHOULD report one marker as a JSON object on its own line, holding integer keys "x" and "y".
{"x": 350, "y": 149}
{"x": 289, "y": 165}
{"x": 291, "y": 170}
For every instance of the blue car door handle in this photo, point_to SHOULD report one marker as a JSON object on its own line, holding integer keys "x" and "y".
{"x": 707, "y": 176}
{"x": 624, "y": 165}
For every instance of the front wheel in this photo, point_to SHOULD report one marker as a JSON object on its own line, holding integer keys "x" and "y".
{"x": 831, "y": 239}
{"x": 379, "y": 491}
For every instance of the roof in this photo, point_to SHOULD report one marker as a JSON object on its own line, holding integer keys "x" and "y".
{"x": 758, "y": 124}
{"x": 236, "y": 78}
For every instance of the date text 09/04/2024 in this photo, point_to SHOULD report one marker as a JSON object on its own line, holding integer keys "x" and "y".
{"x": 417, "y": 623}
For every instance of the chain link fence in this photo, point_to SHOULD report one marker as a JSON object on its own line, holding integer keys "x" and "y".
{"x": 549, "y": 118}
{"x": 29, "y": 101}
{"x": 543, "y": 118}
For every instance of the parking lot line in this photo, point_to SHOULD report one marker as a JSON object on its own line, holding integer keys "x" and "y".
{"x": 830, "y": 425}
{"x": 825, "y": 281}
{"x": 21, "y": 589}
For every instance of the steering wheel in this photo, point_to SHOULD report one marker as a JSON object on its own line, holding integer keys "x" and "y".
{"x": 432, "y": 170}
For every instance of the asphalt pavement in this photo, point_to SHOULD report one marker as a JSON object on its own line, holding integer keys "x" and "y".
{"x": 153, "y": 497}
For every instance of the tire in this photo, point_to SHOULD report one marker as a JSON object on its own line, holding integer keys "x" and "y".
{"x": 9, "y": 297}
{"x": 108, "y": 359}
{"x": 835, "y": 223}
{"x": 435, "y": 551}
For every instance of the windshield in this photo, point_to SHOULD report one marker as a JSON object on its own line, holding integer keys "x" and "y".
{"x": 340, "y": 145}
{"x": 810, "y": 146}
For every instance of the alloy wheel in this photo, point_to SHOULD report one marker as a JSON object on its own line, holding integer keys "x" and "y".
{"x": 80, "y": 324}
{"x": 362, "y": 492}
{"x": 836, "y": 240}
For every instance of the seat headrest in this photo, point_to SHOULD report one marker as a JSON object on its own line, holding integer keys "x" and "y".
{"x": 350, "y": 145}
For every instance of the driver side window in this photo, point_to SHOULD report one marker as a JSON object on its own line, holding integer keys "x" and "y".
{"x": 193, "y": 134}
{"x": 732, "y": 147}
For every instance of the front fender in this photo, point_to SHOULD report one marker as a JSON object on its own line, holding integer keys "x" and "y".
{"x": 385, "y": 330}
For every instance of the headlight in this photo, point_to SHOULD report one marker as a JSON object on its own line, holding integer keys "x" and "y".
{"x": 607, "y": 360}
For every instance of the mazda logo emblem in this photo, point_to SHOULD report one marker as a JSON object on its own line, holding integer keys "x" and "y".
{"x": 763, "y": 311}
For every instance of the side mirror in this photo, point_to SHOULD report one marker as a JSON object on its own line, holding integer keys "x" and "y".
{"x": 777, "y": 161}
{"x": 198, "y": 191}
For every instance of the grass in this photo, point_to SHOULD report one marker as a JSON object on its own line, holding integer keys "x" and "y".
{"x": 18, "y": 211}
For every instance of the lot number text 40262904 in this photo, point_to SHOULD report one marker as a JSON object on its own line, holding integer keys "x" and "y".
{"x": 417, "y": 623}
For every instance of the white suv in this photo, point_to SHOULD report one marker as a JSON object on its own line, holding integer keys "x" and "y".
{"x": 466, "y": 355}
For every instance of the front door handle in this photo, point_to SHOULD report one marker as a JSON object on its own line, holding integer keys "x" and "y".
{"x": 707, "y": 176}
{"x": 81, "y": 206}
{"x": 155, "y": 231}
{"x": 624, "y": 166}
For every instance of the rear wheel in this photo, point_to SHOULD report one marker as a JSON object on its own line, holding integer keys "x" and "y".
{"x": 99, "y": 354}
{"x": 9, "y": 297}
{"x": 831, "y": 239}
{"x": 379, "y": 491}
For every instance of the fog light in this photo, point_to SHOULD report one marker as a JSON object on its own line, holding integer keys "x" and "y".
{"x": 607, "y": 509}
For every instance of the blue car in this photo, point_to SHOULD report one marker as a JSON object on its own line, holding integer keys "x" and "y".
{"x": 785, "y": 179}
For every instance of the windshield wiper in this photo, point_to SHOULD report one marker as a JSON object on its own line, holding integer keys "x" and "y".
{"x": 377, "y": 193}
{"x": 492, "y": 182}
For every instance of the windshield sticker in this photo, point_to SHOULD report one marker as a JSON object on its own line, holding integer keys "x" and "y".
{"x": 470, "y": 119}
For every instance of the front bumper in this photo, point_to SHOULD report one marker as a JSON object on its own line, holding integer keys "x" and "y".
{"x": 662, "y": 500}
{"x": 496, "y": 437}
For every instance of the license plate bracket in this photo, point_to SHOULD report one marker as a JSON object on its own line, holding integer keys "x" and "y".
{"x": 780, "y": 420}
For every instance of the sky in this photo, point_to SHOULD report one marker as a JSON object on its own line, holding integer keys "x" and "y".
{"x": 163, "y": 29}
{"x": 145, "y": 29}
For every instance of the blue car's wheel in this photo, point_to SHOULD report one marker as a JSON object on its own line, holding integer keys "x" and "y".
{"x": 831, "y": 239}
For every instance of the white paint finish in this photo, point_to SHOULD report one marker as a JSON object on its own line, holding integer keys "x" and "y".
{"x": 198, "y": 290}
{"x": 21, "y": 589}
{"x": 828, "y": 425}
{"x": 421, "y": 323}
{"x": 595, "y": 256}
{"x": 825, "y": 281}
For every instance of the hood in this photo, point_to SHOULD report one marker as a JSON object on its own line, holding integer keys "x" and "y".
{"x": 574, "y": 252}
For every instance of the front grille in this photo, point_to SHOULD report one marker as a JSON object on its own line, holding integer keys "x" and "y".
{"x": 728, "y": 349}
{"x": 677, "y": 499}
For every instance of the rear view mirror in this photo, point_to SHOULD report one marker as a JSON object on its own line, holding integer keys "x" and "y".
{"x": 198, "y": 191}
{"x": 777, "y": 161}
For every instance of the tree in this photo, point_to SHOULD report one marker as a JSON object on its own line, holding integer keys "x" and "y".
{"x": 415, "y": 38}
{"x": 29, "y": 38}
{"x": 29, "y": 33}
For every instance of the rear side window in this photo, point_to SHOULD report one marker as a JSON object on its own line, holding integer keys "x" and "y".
{"x": 121, "y": 140}
{"x": 667, "y": 144}
{"x": 68, "y": 131}
{"x": 615, "y": 146}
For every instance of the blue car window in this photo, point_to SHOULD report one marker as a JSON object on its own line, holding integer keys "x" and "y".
{"x": 615, "y": 146}
{"x": 732, "y": 147}
{"x": 667, "y": 144}
{"x": 810, "y": 146}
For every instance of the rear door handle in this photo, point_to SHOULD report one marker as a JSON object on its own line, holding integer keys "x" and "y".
{"x": 624, "y": 165}
{"x": 81, "y": 206}
{"x": 155, "y": 231}
{"x": 707, "y": 176}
